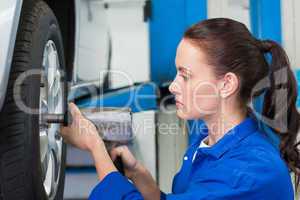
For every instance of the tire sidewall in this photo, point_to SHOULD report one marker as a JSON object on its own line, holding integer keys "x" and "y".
{"x": 46, "y": 30}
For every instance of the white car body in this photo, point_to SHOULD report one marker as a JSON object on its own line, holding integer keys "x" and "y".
{"x": 9, "y": 19}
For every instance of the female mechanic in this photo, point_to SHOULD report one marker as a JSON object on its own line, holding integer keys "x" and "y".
{"x": 242, "y": 154}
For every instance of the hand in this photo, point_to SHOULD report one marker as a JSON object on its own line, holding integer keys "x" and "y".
{"x": 81, "y": 133}
{"x": 138, "y": 174}
{"x": 131, "y": 165}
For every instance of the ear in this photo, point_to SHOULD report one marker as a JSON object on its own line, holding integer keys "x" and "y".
{"x": 229, "y": 85}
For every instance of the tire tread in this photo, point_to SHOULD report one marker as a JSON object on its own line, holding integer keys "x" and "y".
{"x": 11, "y": 118}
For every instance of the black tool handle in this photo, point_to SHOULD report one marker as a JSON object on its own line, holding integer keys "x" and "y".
{"x": 67, "y": 118}
{"x": 119, "y": 165}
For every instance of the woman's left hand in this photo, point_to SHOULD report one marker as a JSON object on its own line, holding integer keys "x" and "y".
{"x": 81, "y": 133}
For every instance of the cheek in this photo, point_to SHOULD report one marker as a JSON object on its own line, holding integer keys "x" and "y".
{"x": 199, "y": 100}
{"x": 206, "y": 98}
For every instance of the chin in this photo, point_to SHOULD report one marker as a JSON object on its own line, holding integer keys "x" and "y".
{"x": 184, "y": 116}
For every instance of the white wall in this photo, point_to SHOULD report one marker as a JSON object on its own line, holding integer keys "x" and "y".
{"x": 234, "y": 9}
{"x": 130, "y": 36}
{"x": 123, "y": 23}
{"x": 91, "y": 41}
{"x": 144, "y": 145}
{"x": 291, "y": 30}
{"x": 172, "y": 142}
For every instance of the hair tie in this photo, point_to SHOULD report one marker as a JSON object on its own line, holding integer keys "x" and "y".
{"x": 265, "y": 45}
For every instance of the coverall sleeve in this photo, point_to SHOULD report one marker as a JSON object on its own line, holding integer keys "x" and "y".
{"x": 240, "y": 186}
{"x": 117, "y": 187}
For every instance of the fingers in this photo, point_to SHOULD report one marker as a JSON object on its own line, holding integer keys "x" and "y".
{"x": 74, "y": 110}
{"x": 64, "y": 132}
{"x": 115, "y": 152}
{"x": 77, "y": 118}
{"x": 129, "y": 161}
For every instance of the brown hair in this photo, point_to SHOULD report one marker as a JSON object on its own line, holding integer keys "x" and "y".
{"x": 230, "y": 47}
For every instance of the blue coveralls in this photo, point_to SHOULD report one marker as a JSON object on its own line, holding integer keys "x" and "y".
{"x": 243, "y": 165}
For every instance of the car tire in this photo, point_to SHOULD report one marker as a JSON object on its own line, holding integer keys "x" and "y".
{"x": 23, "y": 170}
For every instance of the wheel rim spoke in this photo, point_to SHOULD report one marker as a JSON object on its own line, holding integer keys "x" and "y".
{"x": 51, "y": 101}
{"x": 43, "y": 144}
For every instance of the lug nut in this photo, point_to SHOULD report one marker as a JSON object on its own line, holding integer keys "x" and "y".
{"x": 53, "y": 118}
{"x": 57, "y": 135}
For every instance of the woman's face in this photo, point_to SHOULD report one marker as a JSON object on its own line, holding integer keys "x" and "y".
{"x": 195, "y": 86}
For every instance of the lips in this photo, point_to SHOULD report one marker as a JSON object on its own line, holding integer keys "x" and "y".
{"x": 178, "y": 102}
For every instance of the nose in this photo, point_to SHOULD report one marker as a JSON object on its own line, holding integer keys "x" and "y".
{"x": 174, "y": 88}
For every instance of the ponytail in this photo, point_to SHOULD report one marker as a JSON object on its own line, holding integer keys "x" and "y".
{"x": 280, "y": 106}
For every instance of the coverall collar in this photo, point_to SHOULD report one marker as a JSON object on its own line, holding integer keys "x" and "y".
{"x": 231, "y": 138}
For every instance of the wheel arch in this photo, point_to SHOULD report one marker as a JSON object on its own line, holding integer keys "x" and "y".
{"x": 64, "y": 11}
